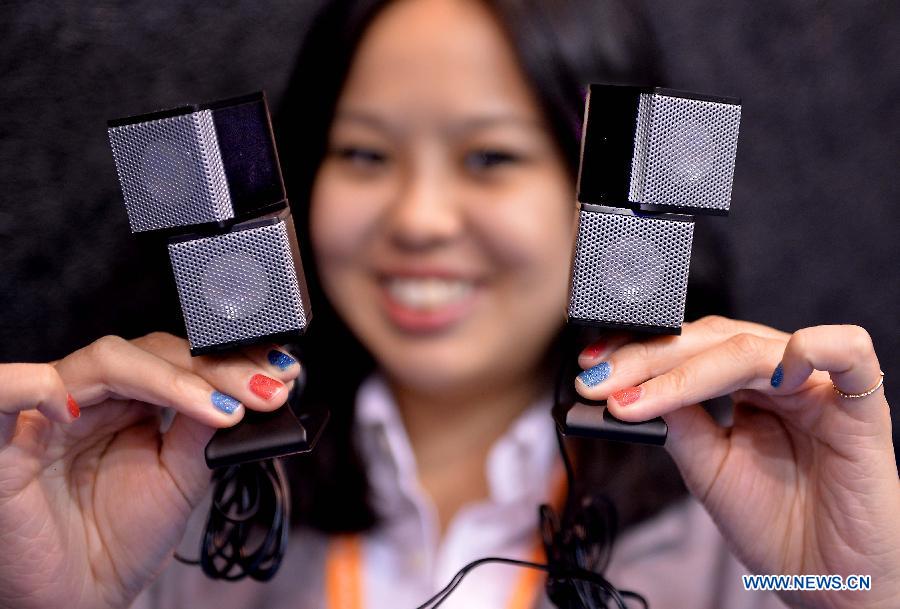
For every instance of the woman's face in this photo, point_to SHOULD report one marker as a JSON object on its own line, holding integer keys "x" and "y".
{"x": 443, "y": 216}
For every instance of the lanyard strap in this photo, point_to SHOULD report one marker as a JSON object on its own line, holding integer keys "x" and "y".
{"x": 344, "y": 568}
{"x": 343, "y": 572}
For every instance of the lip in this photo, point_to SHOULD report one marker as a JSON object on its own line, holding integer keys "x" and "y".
{"x": 424, "y": 271}
{"x": 417, "y": 321}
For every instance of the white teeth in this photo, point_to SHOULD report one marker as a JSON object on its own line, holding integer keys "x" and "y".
{"x": 427, "y": 293}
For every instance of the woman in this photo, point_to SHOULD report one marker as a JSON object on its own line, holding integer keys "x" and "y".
{"x": 441, "y": 221}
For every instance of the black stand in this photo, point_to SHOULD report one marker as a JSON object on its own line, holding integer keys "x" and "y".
{"x": 591, "y": 419}
{"x": 577, "y": 416}
{"x": 293, "y": 428}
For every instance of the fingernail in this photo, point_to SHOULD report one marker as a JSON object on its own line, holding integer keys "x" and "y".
{"x": 596, "y": 374}
{"x": 627, "y": 396}
{"x": 777, "y": 376}
{"x": 263, "y": 386}
{"x": 225, "y": 403}
{"x": 72, "y": 405}
{"x": 280, "y": 359}
{"x": 594, "y": 350}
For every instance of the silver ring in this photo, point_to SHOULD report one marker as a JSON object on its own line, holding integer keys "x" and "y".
{"x": 853, "y": 396}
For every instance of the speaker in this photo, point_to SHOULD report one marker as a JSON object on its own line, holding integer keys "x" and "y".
{"x": 656, "y": 149}
{"x": 630, "y": 271}
{"x": 197, "y": 164}
{"x": 240, "y": 285}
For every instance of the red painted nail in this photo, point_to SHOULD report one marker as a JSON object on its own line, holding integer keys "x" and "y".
{"x": 72, "y": 405}
{"x": 263, "y": 386}
{"x": 595, "y": 349}
{"x": 627, "y": 396}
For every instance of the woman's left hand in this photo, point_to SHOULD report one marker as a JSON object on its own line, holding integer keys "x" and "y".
{"x": 804, "y": 481}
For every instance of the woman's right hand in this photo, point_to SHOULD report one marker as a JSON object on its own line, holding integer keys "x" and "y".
{"x": 91, "y": 507}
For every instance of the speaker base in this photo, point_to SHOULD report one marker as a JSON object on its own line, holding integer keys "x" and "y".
{"x": 593, "y": 420}
{"x": 615, "y": 325}
{"x": 293, "y": 428}
{"x": 278, "y": 338}
{"x": 678, "y": 209}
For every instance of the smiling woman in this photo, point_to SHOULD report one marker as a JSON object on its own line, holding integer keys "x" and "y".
{"x": 416, "y": 217}
{"x": 444, "y": 202}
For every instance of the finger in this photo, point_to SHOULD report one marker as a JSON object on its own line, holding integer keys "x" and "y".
{"x": 601, "y": 348}
{"x": 112, "y": 367}
{"x": 38, "y": 386}
{"x": 275, "y": 356}
{"x": 181, "y": 454}
{"x": 638, "y": 361}
{"x": 631, "y": 364}
{"x": 277, "y": 362}
{"x": 240, "y": 377}
{"x": 697, "y": 335}
{"x": 254, "y": 384}
{"x": 725, "y": 327}
{"x": 698, "y": 445}
{"x": 272, "y": 360}
{"x": 744, "y": 361}
{"x": 845, "y": 352}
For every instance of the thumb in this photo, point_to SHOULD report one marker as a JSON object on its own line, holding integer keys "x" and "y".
{"x": 183, "y": 457}
{"x": 697, "y": 445}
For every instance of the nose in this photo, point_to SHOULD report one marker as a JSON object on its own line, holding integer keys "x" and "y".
{"x": 424, "y": 213}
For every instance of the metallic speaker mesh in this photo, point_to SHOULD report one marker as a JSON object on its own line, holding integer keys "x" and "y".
{"x": 630, "y": 269}
{"x": 238, "y": 285}
{"x": 171, "y": 172}
{"x": 684, "y": 152}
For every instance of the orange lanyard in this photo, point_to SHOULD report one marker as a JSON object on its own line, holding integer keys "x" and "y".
{"x": 344, "y": 568}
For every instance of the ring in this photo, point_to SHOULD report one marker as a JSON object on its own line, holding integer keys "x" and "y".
{"x": 853, "y": 396}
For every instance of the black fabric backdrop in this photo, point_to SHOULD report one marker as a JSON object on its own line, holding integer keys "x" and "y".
{"x": 814, "y": 221}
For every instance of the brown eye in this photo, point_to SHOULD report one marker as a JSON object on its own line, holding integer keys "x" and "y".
{"x": 363, "y": 157}
{"x": 480, "y": 160}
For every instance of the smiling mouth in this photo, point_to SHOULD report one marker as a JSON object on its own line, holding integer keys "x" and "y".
{"x": 427, "y": 293}
{"x": 427, "y": 304}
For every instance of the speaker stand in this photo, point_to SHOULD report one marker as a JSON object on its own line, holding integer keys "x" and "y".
{"x": 293, "y": 428}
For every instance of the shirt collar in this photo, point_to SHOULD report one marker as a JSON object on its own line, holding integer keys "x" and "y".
{"x": 519, "y": 464}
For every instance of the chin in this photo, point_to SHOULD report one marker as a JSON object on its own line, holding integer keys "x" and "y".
{"x": 431, "y": 368}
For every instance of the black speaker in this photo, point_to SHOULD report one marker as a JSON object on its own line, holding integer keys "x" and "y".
{"x": 644, "y": 151}
{"x": 630, "y": 271}
{"x": 244, "y": 284}
{"x": 197, "y": 164}
{"x": 207, "y": 177}
{"x": 656, "y": 149}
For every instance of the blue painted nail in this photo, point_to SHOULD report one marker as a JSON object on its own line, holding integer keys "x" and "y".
{"x": 596, "y": 375}
{"x": 225, "y": 403}
{"x": 777, "y": 376}
{"x": 280, "y": 359}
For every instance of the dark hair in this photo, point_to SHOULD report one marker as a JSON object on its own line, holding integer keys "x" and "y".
{"x": 562, "y": 45}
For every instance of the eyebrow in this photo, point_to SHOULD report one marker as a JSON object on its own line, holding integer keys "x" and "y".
{"x": 457, "y": 127}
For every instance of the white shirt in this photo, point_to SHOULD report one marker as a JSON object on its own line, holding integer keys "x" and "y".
{"x": 675, "y": 560}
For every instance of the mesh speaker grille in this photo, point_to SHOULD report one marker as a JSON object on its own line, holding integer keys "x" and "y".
{"x": 171, "y": 172}
{"x": 239, "y": 285}
{"x": 630, "y": 270}
{"x": 684, "y": 152}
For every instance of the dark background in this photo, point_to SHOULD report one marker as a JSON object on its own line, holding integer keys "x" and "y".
{"x": 814, "y": 212}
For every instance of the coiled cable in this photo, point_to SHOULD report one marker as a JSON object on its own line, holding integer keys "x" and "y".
{"x": 247, "y": 528}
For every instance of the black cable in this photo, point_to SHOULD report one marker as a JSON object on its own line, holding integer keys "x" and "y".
{"x": 579, "y": 542}
{"x": 251, "y": 504}
{"x": 575, "y": 574}
{"x": 578, "y": 551}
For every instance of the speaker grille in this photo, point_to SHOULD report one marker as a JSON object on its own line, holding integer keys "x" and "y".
{"x": 684, "y": 152}
{"x": 630, "y": 270}
{"x": 239, "y": 285}
{"x": 171, "y": 172}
